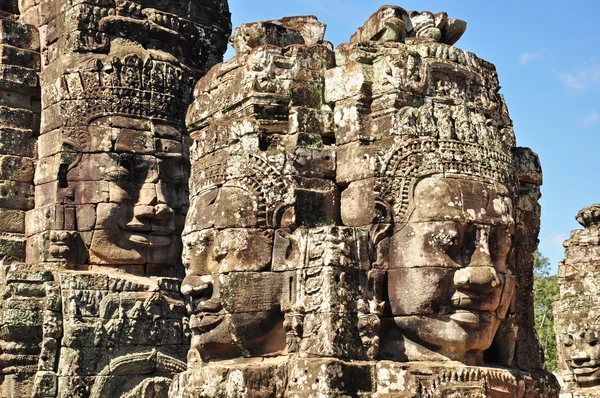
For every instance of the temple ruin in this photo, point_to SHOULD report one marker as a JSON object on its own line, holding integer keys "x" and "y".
{"x": 577, "y": 311}
{"x": 299, "y": 221}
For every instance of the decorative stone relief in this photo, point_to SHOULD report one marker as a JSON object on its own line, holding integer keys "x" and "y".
{"x": 298, "y": 221}
{"x": 94, "y": 309}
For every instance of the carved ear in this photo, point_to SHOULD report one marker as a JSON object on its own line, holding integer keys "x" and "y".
{"x": 284, "y": 216}
{"x": 383, "y": 223}
{"x": 70, "y": 157}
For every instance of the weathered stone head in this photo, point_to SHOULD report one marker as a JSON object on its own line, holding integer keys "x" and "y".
{"x": 581, "y": 351}
{"x": 436, "y": 204}
{"x": 116, "y": 171}
{"x": 577, "y": 310}
{"x": 259, "y": 171}
{"x": 233, "y": 299}
{"x": 449, "y": 282}
{"x": 432, "y": 159}
{"x": 195, "y": 34}
{"x": 449, "y": 276}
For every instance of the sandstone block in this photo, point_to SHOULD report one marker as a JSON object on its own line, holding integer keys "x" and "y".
{"x": 16, "y": 195}
{"x": 317, "y": 202}
{"x": 11, "y": 55}
{"x": 19, "y": 35}
{"x": 315, "y": 162}
{"x": 16, "y": 168}
{"x": 355, "y": 162}
{"x": 309, "y": 120}
{"x": 389, "y": 23}
{"x": 265, "y": 293}
{"x": 15, "y": 142}
{"x": 352, "y": 80}
{"x": 281, "y": 33}
{"x": 358, "y": 206}
{"x": 12, "y": 221}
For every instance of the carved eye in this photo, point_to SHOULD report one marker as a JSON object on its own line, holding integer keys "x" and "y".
{"x": 176, "y": 180}
{"x": 500, "y": 242}
{"x": 567, "y": 340}
{"x": 117, "y": 174}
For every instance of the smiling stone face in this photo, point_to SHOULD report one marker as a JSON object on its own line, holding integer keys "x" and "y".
{"x": 448, "y": 281}
{"x": 233, "y": 301}
{"x": 142, "y": 177}
{"x": 582, "y": 353}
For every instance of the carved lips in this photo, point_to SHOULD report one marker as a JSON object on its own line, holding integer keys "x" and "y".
{"x": 148, "y": 233}
{"x": 472, "y": 317}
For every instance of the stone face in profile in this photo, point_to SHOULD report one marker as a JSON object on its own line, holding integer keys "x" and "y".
{"x": 577, "y": 310}
{"x": 360, "y": 223}
{"x": 260, "y": 169}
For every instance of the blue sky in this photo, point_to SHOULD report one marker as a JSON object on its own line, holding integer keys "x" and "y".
{"x": 549, "y": 67}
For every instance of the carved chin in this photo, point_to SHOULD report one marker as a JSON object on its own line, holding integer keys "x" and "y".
{"x": 467, "y": 331}
{"x": 118, "y": 247}
{"x": 237, "y": 335}
{"x": 214, "y": 341}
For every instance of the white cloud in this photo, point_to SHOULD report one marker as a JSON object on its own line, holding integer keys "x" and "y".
{"x": 582, "y": 78}
{"x": 592, "y": 118}
{"x": 555, "y": 240}
{"x": 527, "y": 58}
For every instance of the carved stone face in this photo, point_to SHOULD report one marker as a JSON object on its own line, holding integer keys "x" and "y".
{"x": 582, "y": 353}
{"x": 448, "y": 281}
{"x": 234, "y": 303}
{"x": 133, "y": 171}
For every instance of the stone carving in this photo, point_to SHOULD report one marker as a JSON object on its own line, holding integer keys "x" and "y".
{"x": 259, "y": 170}
{"x": 358, "y": 215}
{"x": 352, "y": 222}
{"x": 94, "y": 308}
{"x": 576, "y": 319}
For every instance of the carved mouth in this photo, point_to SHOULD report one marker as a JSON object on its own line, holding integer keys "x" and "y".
{"x": 472, "y": 317}
{"x": 144, "y": 239}
{"x": 206, "y": 322}
{"x": 476, "y": 302}
{"x": 584, "y": 371}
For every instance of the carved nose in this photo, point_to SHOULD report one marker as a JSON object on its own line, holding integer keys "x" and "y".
{"x": 481, "y": 279}
{"x": 163, "y": 212}
{"x": 197, "y": 286}
{"x": 160, "y": 194}
{"x": 481, "y": 254}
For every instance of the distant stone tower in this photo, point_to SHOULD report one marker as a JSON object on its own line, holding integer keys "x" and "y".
{"x": 361, "y": 221}
{"x": 577, "y": 311}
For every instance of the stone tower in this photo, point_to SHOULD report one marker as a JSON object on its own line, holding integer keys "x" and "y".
{"x": 299, "y": 221}
{"x": 361, "y": 220}
{"x": 90, "y": 242}
{"x": 577, "y": 311}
